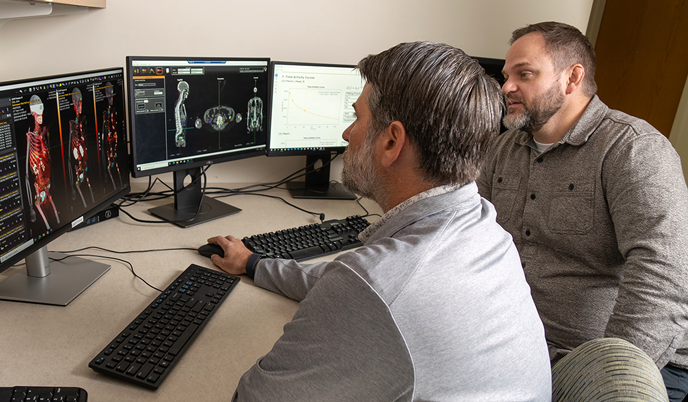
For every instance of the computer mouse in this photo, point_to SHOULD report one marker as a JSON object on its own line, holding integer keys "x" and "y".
{"x": 207, "y": 250}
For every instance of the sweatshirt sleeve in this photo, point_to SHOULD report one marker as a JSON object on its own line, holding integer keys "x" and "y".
{"x": 342, "y": 344}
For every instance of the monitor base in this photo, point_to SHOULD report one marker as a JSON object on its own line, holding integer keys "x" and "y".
{"x": 67, "y": 280}
{"x": 333, "y": 191}
{"x": 211, "y": 209}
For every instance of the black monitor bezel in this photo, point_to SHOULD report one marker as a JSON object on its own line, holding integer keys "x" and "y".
{"x": 301, "y": 152}
{"x": 67, "y": 226}
{"x": 201, "y": 162}
{"x": 493, "y": 67}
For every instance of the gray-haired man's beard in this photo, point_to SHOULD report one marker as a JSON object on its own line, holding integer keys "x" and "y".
{"x": 359, "y": 175}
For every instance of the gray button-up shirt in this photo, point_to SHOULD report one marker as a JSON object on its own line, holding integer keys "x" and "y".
{"x": 601, "y": 223}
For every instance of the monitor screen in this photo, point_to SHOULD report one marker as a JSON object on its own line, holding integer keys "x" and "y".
{"x": 189, "y": 112}
{"x": 311, "y": 106}
{"x": 63, "y": 158}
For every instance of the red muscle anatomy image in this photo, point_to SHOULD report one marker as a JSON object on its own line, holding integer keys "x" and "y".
{"x": 38, "y": 164}
{"x": 78, "y": 157}
{"x": 110, "y": 135}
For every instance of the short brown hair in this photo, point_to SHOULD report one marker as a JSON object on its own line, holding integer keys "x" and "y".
{"x": 566, "y": 46}
{"x": 449, "y": 107}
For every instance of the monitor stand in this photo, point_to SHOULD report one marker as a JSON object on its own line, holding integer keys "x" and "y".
{"x": 51, "y": 282}
{"x": 185, "y": 210}
{"x": 317, "y": 184}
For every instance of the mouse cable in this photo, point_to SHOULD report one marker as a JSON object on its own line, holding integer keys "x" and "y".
{"x": 131, "y": 267}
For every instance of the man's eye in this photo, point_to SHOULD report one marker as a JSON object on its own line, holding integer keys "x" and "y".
{"x": 525, "y": 74}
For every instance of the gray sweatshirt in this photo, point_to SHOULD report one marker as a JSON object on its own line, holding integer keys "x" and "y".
{"x": 434, "y": 306}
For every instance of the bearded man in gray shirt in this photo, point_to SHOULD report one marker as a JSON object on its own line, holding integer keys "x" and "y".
{"x": 434, "y": 305}
{"x": 596, "y": 202}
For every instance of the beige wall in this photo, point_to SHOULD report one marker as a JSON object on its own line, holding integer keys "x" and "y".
{"x": 297, "y": 30}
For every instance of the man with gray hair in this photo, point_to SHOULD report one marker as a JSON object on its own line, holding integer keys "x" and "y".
{"x": 596, "y": 202}
{"x": 434, "y": 305}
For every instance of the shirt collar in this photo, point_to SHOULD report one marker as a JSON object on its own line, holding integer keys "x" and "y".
{"x": 365, "y": 235}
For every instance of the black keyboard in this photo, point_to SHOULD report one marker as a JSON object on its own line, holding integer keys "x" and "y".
{"x": 45, "y": 394}
{"x": 147, "y": 349}
{"x": 309, "y": 241}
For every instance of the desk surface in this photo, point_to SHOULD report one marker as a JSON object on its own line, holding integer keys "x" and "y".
{"x": 49, "y": 345}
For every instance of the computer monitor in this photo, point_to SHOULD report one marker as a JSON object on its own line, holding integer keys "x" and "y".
{"x": 186, "y": 113}
{"x": 311, "y": 106}
{"x": 63, "y": 158}
{"x": 493, "y": 68}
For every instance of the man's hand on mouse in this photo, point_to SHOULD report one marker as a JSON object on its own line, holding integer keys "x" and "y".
{"x": 236, "y": 254}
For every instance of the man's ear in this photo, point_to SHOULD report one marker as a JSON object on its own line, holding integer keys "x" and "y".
{"x": 393, "y": 140}
{"x": 575, "y": 78}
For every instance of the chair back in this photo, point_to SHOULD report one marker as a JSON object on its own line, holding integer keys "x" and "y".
{"x": 607, "y": 369}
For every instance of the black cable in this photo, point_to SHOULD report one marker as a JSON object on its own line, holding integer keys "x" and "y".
{"x": 131, "y": 266}
{"x": 292, "y": 176}
{"x": 243, "y": 190}
{"x": 319, "y": 214}
{"x": 163, "y": 195}
{"x": 358, "y": 201}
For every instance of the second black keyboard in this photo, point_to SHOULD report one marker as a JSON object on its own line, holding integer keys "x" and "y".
{"x": 309, "y": 241}
{"x": 47, "y": 394}
{"x": 147, "y": 349}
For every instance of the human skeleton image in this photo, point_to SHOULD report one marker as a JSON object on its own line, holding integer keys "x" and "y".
{"x": 78, "y": 156}
{"x": 215, "y": 119}
{"x": 109, "y": 136}
{"x": 254, "y": 120}
{"x": 180, "y": 113}
{"x": 38, "y": 164}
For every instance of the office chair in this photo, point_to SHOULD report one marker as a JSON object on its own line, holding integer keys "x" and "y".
{"x": 607, "y": 369}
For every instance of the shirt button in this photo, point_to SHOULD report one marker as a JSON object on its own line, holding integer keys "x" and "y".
{"x": 527, "y": 232}
{"x": 571, "y": 186}
{"x": 499, "y": 180}
{"x": 539, "y": 160}
{"x": 523, "y": 264}
{"x": 532, "y": 196}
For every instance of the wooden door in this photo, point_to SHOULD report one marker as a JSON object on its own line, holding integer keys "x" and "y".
{"x": 642, "y": 58}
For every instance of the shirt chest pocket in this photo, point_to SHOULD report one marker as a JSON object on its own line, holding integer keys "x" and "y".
{"x": 504, "y": 192}
{"x": 572, "y": 208}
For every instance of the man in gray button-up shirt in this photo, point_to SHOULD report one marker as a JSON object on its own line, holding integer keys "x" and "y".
{"x": 596, "y": 202}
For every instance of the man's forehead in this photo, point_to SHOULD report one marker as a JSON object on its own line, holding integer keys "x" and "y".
{"x": 528, "y": 51}
{"x": 362, "y": 98}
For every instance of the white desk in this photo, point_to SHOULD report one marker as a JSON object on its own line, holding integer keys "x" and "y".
{"x": 47, "y": 345}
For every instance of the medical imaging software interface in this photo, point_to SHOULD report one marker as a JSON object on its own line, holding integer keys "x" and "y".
{"x": 312, "y": 106}
{"x": 186, "y": 111}
{"x": 63, "y": 152}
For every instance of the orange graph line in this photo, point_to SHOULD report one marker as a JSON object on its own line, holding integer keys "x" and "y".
{"x": 306, "y": 111}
